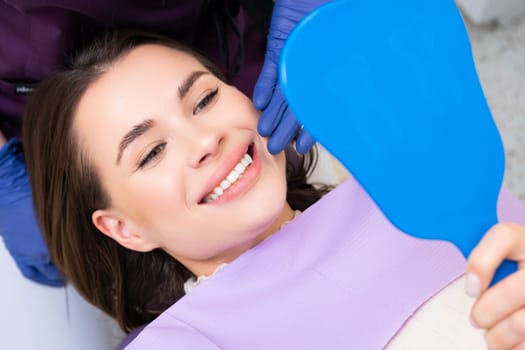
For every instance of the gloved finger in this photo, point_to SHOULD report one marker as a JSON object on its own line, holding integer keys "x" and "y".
{"x": 265, "y": 85}
{"x": 304, "y": 142}
{"x": 285, "y": 132}
{"x": 271, "y": 117}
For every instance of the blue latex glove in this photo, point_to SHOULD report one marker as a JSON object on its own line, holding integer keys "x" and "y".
{"x": 18, "y": 225}
{"x": 277, "y": 120}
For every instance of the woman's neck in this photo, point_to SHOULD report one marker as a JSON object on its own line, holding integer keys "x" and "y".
{"x": 208, "y": 267}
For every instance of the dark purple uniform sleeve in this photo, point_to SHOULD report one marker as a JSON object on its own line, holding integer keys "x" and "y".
{"x": 37, "y": 34}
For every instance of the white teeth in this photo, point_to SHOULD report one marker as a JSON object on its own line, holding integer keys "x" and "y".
{"x": 240, "y": 168}
{"x": 233, "y": 176}
{"x": 245, "y": 161}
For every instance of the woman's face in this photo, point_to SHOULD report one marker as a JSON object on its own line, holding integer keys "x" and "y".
{"x": 168, "y": 140}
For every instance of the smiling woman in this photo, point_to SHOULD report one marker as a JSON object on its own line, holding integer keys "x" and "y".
{"x": 154, "y": 173}
{"x": 153, "y": 178}
{"x": 184, "y": 131}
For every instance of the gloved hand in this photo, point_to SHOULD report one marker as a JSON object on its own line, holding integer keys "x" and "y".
{"x": 277, "y": 120}
{"x": 18, "y": 225}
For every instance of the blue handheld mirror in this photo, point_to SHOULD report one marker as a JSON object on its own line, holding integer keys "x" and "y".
{"x": 391, "y": 90}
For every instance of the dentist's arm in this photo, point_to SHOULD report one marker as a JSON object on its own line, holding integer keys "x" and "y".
{"x": 277, "y": 120}
{"x": 500, "y": 309}
{"x": 18, "y": 225}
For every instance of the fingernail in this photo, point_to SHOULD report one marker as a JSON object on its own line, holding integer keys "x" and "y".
{"x": 472, "y": 285}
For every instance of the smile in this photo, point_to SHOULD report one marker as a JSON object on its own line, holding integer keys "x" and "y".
{"x": 234, "y": 175}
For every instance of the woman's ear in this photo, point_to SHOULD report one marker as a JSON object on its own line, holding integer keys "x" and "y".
{"x": 121, "y": 231}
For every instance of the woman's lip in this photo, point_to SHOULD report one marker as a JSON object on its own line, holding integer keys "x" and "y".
{"x": 223, "y": 169}
{"x": 244, "y": 183}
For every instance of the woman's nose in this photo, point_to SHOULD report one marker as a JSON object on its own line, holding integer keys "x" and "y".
{"x": 205, "y": 145}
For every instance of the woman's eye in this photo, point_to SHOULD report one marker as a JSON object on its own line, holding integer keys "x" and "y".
{"x": 152, "y": 155}
{"x": 205, "y": 101}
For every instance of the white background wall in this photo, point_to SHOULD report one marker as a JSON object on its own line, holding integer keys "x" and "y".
{"x": 499, "y": 53}
{"x": 482, "y": 11}
{"x": 37, "y": 317}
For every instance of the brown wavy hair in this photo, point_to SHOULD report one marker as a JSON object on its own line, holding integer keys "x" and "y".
{"x": 130, "y": 286}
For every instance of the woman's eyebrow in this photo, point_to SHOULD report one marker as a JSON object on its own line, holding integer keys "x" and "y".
{"x": 141, "y": 128}
{"x": 189, "y": 81}
{"x": 137, "y": 131}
